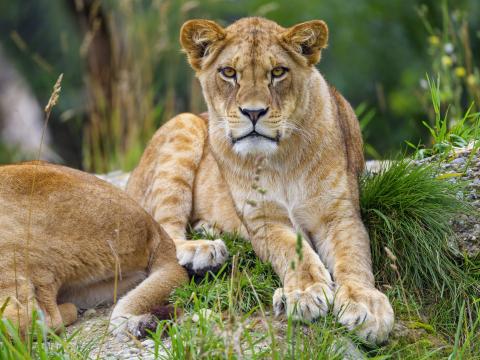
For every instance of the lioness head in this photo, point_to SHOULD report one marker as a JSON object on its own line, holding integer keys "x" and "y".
{"x": 256, "y": 77}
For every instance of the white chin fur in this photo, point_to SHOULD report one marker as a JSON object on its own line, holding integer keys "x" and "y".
{"x": 255, "y": 146}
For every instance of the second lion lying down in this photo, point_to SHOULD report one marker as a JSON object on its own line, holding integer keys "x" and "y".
{"x": 66, "y": 236}
{"x": 273, "y": 122}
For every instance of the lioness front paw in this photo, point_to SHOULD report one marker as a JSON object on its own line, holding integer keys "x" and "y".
{"x": 305, "y": 305}
{"x": 366, "y": 311}
{"x": 127, "y": 326}
{"x": 200, "y": 256}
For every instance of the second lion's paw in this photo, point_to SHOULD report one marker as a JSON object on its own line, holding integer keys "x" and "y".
{"x": 129, "y": 326}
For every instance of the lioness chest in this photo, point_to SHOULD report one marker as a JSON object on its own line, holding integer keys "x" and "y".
{"x": 299, "y": 196}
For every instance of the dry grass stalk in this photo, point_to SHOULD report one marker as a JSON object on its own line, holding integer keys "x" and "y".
{"x": 48, "y": 109}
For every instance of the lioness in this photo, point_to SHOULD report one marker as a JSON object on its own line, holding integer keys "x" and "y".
{"x": 65, "y": 236}
{"x": 279, "y": 155}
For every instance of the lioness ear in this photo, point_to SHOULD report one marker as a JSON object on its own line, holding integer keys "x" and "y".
{"x": 308, "y": 39}
{"x": 199, "y": 39}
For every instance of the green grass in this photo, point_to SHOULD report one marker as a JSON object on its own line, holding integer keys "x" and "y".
{"x": 238, "y": 322}
{"x": 41, "y": 343}
{"x": 447, "y": 133}
{"x": 217, "y": 337}
{"x": 407, "y": 209}
{"x": 230, "y": 288}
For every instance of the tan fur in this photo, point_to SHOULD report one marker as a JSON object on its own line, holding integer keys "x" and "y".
{"x": 310, "y": 156}
{"x": 176, "y": 181}
{"x": 62, "y": 234}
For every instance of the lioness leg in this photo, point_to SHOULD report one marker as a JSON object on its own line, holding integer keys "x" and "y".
{"x": 344, "y": 245}
{"x": 307, "y": 286}
{"x": 23, "y": 298}
{"x": 19, "y": 301}
{"x": 68, "y": 312}
{"x": 212, "y": 203}
{"x": 163, "y": 184}
{"x": 56, "y": 316}
{"x": 133, "y": 312}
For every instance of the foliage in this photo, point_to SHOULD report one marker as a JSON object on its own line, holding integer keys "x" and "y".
{"x": 445, "y": 134}
{"x": 124, "y": 113}
{"x": 213, "y": 337}
{"x": 152, "y": 81}
{"x": 365, "y": 115}
{"x": 457, "y": 86}
{"x": 406, "y": 207}
{"x": 451, "y": 53}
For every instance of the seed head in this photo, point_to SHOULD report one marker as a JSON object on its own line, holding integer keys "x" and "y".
{"x": 390, "y": 254}
{"x": 55, "y": 95}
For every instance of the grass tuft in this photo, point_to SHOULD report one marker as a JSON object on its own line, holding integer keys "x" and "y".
{"x": 407, "y": 210}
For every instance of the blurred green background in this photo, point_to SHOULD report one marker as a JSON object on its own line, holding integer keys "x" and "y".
{"x": 124, "y": 73}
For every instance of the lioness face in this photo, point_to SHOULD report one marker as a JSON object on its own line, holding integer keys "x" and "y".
{"x": 254, "y": 76}
{"x": 252, "y": 91}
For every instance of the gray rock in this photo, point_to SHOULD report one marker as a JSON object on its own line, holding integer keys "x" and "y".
{"x": 466, "y": 227}
{"x": 90, "y": 313}
{"x": 458, "y": 161}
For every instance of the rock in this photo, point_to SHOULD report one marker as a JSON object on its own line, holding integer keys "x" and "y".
{"x": 89, "y": 313}
{"x": 93, "y": 329}
{"x": 458, "y": 161}
{"x": 375, "y": 166}
{"x": 134, "y": 350}
{"x": 466, "y": 163}
{"x": 148, "y": 343}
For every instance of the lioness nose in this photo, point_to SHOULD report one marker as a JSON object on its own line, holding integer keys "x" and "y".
{"x": 254, "y": 114}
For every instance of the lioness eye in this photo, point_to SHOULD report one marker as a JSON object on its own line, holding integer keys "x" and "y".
{"x": 279, "y": 71}
{"x": 228, "y": 72}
